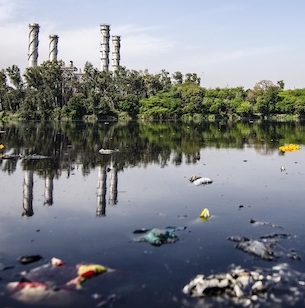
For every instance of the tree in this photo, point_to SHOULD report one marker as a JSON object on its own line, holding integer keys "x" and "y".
{"x": 178, "y": 78}
{"x": 266, "y": 97}
{"x": 75, "y": 109}
{"x": 16, "y": 91}
{"x": 192, "y": 97}
{"x": 163, "y": 105}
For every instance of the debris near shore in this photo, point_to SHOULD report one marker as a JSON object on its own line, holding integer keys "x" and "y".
{"x": 280, "y": 285}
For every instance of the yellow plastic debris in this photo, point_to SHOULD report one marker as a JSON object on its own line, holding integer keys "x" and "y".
{"x": 205, "y": 214}
{"x": 2, "y": 146}
{"x": 86, "y": 271}
{"x": 289, "y": 148}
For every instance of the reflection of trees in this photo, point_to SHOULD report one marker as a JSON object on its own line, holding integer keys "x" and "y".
{"x": 76, "y": 144}
{"x": 70, "y": 144}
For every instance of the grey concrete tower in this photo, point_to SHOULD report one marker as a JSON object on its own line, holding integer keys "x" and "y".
{"x": 116, "y": 45}
{"x": 33, "y": 45}
{"x": 104, "y": 53}
{"x": 53, "y": 50}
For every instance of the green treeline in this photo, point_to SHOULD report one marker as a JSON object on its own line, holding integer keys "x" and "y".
{"x": 52, "y": 91}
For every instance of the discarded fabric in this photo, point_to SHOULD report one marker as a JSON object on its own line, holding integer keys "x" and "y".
{"x": 86, "y": 271}
{"x": 51, "y": 283}
{"x": 157, "y": 237}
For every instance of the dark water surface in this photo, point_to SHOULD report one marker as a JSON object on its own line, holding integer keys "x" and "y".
{"x": 83, "y": 206}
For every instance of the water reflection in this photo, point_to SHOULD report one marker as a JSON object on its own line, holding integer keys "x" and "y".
{"x": 48, "y": 190}
{"x": 102, "y": 188}
{"x": 28, "y": 184}
{"x": 76, "y": 144}
{"x": 101, "y": 192}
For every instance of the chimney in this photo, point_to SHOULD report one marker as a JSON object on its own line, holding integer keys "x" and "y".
{"x": 33, "y": 45}
{"x": 104, "y": 53}
{"x": 116, "y": 45}
{"x": 53, "y": 47}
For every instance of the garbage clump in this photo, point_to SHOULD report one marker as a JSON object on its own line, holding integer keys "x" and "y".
{"x": 266, "y": 247}
{"x": 86, "y": 271}
{"x": 54, "y": 282}
{"x": 289, "y": 148}
{"x": 263, "y": 223}
{"x": 205, "y": 215}
{"x": 254, "y": 247}
{"x": 279, "y": 285}
{"x": 157, "y": 237}
{"x": 199, "y": 180}
{"x": 107, "y": 151}
{"x": 29, "y": 259}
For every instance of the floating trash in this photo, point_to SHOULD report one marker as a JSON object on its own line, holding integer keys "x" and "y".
{"x": 29, "y": 259}
{"x": 53, "y": 282}
{"x": 289, "y": 148}
{"x": 253, "y": 247}
{"x": 205, "y": 215}
{"x": 157, "y": 237}
{"x": 265, "y": 247}
{"x": 198, "y": 180}
{"x": 86, "y": 271}
{"x": 263, "y": 223}
{"x": 257, "y": 287}
{"x": 107, "y": 151}
{"x": 36, "y": 157}
{"x": 2, "y": 146}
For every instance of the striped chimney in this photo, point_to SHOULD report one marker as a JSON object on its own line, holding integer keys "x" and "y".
{"x": 33, "y": 45}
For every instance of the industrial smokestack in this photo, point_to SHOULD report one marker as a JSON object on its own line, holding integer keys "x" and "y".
{"x": 104, "y": 53}
{"x": 116, "y": 45}
{"x": 53, "y": 47}
{"x": 33, "y": 45}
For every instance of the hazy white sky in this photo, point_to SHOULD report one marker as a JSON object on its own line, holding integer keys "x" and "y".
{"x": 227, "y": 43}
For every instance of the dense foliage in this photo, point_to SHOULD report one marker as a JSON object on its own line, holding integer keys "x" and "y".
{"x": 52, "y": 90}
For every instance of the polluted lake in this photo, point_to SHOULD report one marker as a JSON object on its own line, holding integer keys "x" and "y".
{"x": 154, "y": 214}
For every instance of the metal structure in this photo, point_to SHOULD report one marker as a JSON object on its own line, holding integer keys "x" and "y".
{"x": 33, "y": 45}
{"x": 116, "y": 45}
{"x": 104, "y": 52}
{"x": 53, "y": 50}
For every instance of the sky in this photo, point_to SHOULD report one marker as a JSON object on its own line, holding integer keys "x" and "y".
{"x": 227, "y": 43}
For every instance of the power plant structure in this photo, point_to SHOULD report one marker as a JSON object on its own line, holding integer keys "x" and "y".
{"x": 53, "y": 47}
{"x": 116, "y": 45}
{"x": 33, "y": 45}
{"x": 104, "y": 52}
